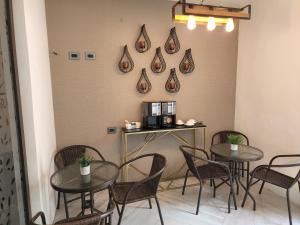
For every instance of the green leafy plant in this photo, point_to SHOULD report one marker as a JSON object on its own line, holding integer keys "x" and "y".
{"x": 235, "y": 139}
{"x": 85, "y": 161}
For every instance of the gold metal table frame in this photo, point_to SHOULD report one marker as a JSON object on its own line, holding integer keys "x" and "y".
{"x": 151, "y": 137}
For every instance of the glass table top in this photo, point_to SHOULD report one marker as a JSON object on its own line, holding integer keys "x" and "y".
{"x": 70, "y": 180}
{"x": 243, "y": 154}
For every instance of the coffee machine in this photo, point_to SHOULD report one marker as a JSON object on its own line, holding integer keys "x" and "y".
{"x": 168, "y": 114}
{"x": 159, "y": 114}
{"x": 151, "y": 115}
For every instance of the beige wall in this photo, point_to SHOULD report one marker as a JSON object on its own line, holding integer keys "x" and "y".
{"x": 268, "y": 81}
{"x": 36, "y": 101}
{"x": 89, "y": 96}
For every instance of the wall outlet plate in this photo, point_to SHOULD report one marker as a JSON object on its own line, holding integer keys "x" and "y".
{"x": 74, "y": 55}
{"x": 90, "y": 56}
{"x": 111, "y": 130}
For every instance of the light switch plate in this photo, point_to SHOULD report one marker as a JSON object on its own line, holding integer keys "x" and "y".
{"x": 74, "y": 55}
{"x": 90, "y": 56}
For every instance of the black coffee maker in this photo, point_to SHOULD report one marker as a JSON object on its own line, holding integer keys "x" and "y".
{"x": 168, "y": 114}
{"x": 159, "y": 114}
{"x": 151, "y": 115}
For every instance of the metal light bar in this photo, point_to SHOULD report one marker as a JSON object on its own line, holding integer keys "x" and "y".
{"x": 209, "y": 11}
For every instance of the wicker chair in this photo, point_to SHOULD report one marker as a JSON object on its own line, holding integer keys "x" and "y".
{"x": 128, "y": 192}
{"x": 265, "y": 173}
{"x": 92, "y": 219}
{"x": 210, "y": 170}
{"x": 70, "y": 155}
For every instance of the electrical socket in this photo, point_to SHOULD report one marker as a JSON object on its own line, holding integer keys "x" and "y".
{"x": 111, "y": 130}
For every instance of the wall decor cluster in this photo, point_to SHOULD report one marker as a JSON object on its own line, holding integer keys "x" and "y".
{"x": 172, "y": 84}
{"x": 143, "y": 86}
{"x": 187, "y": 63}
{"x": 158, "y": 64}
{"x": 172, "y": 44}
{"x": 143, "y": 42}
{"x": 126, "y": 63}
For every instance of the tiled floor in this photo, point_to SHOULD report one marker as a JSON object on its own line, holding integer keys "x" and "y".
{"x": 180, "y": 210}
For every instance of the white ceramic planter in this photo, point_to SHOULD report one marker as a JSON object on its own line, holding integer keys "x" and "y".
{"x": 234, "y": 147}
{"x": 86, "y": 179}
{"x": 85, "y": 170}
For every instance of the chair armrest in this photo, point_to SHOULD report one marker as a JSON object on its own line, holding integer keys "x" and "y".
{"x": 132, "y": 160}
{"x": 283, "y": 156}
{"x": 38, "y": 215}
{"x": 195, "y": 148}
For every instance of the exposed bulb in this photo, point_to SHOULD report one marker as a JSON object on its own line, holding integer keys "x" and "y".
{"x": 191, "y": 25}
{"x": 211, "y": 24}
{"x": 229, "y": 25}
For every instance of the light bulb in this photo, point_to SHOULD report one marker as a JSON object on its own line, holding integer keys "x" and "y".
{"x": 229, "y": 25}
{"x": 191, "y": 25}
{"x": 211, "y": 24}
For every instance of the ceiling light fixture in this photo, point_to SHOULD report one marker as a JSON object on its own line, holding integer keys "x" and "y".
{"x": 229, "y": 25}
{"x": 192, "y": 14}
{"x": 191, "y": 24}
{"x": 211, "y": 24}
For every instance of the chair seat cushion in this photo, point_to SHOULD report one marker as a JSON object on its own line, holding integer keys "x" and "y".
{"x": 211, "y": 171}
{"x": 273, "y": 177}
{"x": 139, "y": 193}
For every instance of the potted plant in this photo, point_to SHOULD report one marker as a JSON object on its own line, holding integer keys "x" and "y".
{"x": 84, "y": 162}
{"x": 234, "y": 140}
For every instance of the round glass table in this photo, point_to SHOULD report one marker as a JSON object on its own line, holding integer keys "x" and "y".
{"x": 244, "y": 153}
{"x": 69, "y": 180}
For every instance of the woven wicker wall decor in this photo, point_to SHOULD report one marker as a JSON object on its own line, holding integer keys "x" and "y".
{"x": 143, "y": 86}
{"x": 126, "y": 63}
{"x": 187, "y": 63}
{"x": 143, "y": 42}
{"x": 172, "y": 44}
{"x": 172, "y": 84}
{"x": 158, "y": 64}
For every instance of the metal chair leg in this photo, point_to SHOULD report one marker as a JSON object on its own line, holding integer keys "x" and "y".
{"x": 261, "y": 187}
{"x": 248, "y": 172}
{"x": 121, "y": 214}
{"x": 299, "y": 185}
{"x": 159, "y": 210}
{"x": 58, "y": 200}
{"x": 247, "y": 191}
{"x": 66, "y": 206}
{"x": 185, "y": 179}
{"x": 150, "y": 204}
{"x": 118, "y": 209}
{"x": 199, "y": 197}
{"x": 289, "y": 205}
{"x": 229, "y": 201}
{"x": 214, "y": 186}
{"x": 243, "y": 169}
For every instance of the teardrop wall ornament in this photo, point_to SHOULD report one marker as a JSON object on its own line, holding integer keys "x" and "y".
{"x": 126, "y": 63}
{"x": 143, "y": 42}
{"x": 172, "y": 84}
{"x": 187, "y": 63}
{"x": 158, "y": 64}
{"x": 143, "y": 86}
{"x": 172, "y": 45}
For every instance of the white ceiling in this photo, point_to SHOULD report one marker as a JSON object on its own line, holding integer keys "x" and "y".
{"x": 229, "y": 3}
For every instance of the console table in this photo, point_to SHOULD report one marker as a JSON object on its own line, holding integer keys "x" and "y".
{"x": 152, "y": 136}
